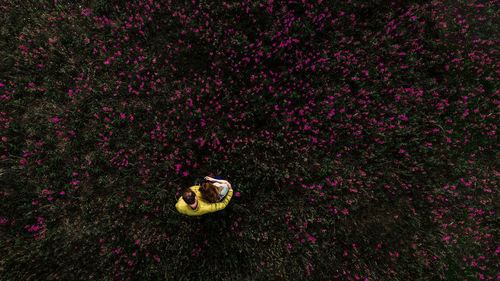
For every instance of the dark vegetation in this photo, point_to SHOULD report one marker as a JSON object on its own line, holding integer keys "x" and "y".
{"x": 359, "y": 136}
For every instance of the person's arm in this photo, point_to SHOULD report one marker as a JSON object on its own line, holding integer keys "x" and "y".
{"x": 226, "y": 183}
{"x": 221, "y": 205}
{"x": 180, "y": 208}
{"x": 219, "y": 181}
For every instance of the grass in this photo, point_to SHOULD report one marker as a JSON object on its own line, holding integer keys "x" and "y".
{"x": 360, "y": 139}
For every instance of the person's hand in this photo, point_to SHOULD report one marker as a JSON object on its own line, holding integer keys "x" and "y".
{"x": 208, "y": 178}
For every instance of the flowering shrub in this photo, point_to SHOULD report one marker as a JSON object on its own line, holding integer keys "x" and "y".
{"x": 359, "y": 137}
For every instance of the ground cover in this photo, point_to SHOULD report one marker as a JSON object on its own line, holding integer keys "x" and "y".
{"x": 359, "y": 136}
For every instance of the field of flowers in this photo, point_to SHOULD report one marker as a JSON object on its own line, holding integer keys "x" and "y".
{"x": 359, "y": 137}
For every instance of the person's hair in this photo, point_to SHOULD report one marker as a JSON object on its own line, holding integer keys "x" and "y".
{"x": 209, "y": 192}
{"x": 188, "y": 195}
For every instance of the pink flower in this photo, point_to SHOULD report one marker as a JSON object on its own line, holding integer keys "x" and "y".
{"x": 237, "y": 194}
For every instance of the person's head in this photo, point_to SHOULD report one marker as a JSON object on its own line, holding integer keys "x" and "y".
{"x": 209, "y": 192}
{"x": 190, "y": 198}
